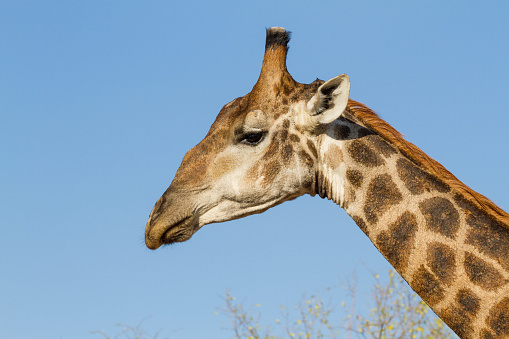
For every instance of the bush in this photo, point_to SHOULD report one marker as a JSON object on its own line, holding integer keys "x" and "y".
{"x": 396, "y": 312}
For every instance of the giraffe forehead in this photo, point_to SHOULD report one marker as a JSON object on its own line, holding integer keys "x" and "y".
{"x": 272, "y": 103}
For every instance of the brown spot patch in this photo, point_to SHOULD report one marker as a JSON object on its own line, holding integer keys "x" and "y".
{"x": 418, "y": 181}
{"x": 350, "y": 197}
{"x": 441, "y": 216}
{"x": 294, "y": 138}
{"x": 308, "y": 185}
{"x": 341, "y": 132}
{"x": 441, "y": 260}
{"x": 312, "y": 148}
{"x": 270, "y": 171}
{"x": 305, "y": 92}
{"x": 286, "y": 124}
{"x": 363, "y": 154}
{"x": 459, "y": 316}
{"x": 427, "y": 286}
{"x": 498, "y": 319}
{"x": 306, "y": 158}
{"x": 381, "y": 195}
{"x": 489, "y": 236}
{"x": 380, "y": 145}
{"x": 482, "y": 273}
{"x": 333, "y": 156}
{"x": 458, "y": 322}
{"x": 354, "y": 177}
{"x": 287, "y": 153}
{"x": 362, "y": 132}
{"x": 273, "y": 149}
{"x": 287, "y": 89}
{"x": 397, "y": 242}
{"x": 253, "y": 173}
{"x": 284, "y": 135}
{"x": 468, "y": 302}
{"x": 361, "y": 223}
{"x": 485, "y": 334}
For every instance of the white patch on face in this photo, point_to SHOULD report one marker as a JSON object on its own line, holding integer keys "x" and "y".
{"x": 302, "y": 117}
{"x": 238, "y": 190}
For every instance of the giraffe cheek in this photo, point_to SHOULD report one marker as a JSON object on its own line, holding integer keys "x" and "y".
{"x": 223, "y": 165}
{"x": 251, "y": 176}
{"x": 269, "y": 173}
{"x": 261, "y": 176}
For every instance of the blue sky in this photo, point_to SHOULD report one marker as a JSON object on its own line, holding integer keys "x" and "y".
{"x": 100, "y": 100}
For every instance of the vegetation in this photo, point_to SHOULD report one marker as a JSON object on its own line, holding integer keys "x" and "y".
{"x": 130, "y": 332}
{"x": 396, "y": 312}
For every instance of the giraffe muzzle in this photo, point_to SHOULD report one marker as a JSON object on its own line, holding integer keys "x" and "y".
{"x": 165, "y": 234}
{"x": 167, "y": 225}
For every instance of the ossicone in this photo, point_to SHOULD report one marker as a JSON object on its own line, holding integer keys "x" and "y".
{"x": 274, "y": 61}
{"x": 277, "y": 36}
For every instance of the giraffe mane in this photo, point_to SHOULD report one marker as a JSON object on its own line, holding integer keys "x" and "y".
{"x": 367, "y": 117}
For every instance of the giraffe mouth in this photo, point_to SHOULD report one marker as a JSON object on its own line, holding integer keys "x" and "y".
{"x": 170, "y": 233}
{"x": 179, "y": 232}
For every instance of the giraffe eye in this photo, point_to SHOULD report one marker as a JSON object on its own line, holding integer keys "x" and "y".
{"x": 252, "y": 138}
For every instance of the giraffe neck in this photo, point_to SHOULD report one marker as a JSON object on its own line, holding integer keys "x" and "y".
{"x": 450, "y": 251}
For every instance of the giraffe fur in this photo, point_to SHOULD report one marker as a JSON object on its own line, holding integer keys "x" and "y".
{"x": 285, "y": 139}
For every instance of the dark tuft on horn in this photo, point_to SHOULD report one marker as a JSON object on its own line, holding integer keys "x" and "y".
{"x": 277, "y": 36}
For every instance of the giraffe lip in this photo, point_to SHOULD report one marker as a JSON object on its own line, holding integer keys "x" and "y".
{"x": 180, "y": 231}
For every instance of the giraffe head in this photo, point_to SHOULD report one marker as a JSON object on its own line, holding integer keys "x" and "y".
{"x": 260, "y": 151}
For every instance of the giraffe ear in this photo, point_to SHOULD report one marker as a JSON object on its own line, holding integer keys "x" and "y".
{"x": 330, "y": 100}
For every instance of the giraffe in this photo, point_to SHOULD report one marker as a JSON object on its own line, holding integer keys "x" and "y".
{"x": 285, "y": 139}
